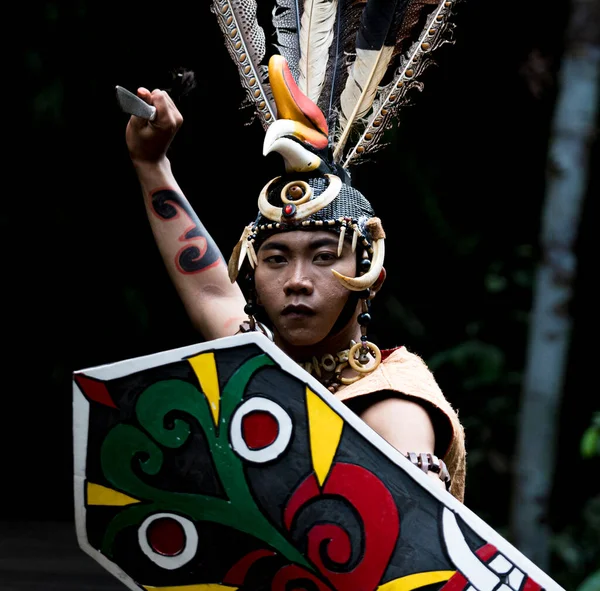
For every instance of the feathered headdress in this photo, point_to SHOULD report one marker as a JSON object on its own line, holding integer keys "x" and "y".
{"x": 325, "y": 89}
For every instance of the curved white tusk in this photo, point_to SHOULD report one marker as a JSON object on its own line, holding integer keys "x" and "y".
{"x": 305, "y": 209}
{"x": 354, "y": 237}
{"x": 323, "y": 200}
{"x": 269, "y": 211}
{"x": 365, "y": 281}
{"x": 341, "y": 241}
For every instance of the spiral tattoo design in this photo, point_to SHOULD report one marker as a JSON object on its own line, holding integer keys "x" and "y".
{"x": 199, "y": 251}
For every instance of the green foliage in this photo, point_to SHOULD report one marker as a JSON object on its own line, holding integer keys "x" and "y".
{"x": 590, "y": 442}
{"x": 577, "y": 547}
{"x": 591, "y": 583}
{"x": 590, "y": 447}
{"x": 481, "y": 364}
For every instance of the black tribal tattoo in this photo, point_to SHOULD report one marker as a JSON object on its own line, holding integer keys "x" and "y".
{"x": 200, "y": 252}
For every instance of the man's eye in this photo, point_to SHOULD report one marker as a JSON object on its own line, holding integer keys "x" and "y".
{"x": 275, "y": 259}
{"x": 325, "y": 257}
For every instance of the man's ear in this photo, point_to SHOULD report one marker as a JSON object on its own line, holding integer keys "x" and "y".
{"x": 377, "y": 285}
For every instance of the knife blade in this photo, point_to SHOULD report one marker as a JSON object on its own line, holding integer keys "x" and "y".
{"x": 134, "y": 105}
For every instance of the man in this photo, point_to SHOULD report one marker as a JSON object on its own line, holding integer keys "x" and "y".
{"x": 312, "y": 275}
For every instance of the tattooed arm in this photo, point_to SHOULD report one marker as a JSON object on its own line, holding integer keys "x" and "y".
{"x": 194, "y": 262}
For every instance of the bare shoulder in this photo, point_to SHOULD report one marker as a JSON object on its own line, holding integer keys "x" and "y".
{"x": 403, "y": 423}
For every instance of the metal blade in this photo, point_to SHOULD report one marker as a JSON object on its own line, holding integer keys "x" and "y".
{"x": 134, "y": 105}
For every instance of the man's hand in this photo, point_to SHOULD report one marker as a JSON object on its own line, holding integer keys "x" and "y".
{"x": 148, "y": 141}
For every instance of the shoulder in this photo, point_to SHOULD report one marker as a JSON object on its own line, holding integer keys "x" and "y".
{"x": 400, "y": 371}
{"x": 404, "y": 423}
{"x": 405, "y": 374}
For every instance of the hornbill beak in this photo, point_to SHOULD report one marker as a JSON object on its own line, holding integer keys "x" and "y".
{"x": 295, "y": 142}
{"x": 300, "y": 131}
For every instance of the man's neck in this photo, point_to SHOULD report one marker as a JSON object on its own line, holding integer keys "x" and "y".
{"x": 333, "y": 344}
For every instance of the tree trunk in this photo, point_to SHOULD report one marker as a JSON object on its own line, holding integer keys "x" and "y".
{"x": 573, "y": 130}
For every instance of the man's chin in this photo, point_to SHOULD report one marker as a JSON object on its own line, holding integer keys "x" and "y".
{"x": 299, "y": 337}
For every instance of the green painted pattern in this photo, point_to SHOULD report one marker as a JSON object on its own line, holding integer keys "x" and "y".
{"x": 125, "y": 443}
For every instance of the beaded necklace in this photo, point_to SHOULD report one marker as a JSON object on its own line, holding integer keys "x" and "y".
{"x": 355, "y": 356}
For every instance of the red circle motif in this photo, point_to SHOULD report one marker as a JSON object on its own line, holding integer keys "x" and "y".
{"x": 166, "y": 536}
{"x": 259, "y": 429}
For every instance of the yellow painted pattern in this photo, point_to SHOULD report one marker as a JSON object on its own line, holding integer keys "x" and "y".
{"x": 206, "y": 369}
{"x": 207, "y": 587}
{"x": 417, "y": 580}
{"x": 101, "y": 495}
{"x": 325, "y": 428}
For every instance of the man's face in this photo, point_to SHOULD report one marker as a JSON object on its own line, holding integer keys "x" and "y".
{"x": 294, "y": 283}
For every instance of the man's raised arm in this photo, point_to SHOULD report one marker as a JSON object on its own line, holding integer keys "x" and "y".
{"x": 193, "y": 260}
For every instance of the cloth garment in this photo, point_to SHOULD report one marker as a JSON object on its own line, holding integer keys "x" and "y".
{"x": 406, "y": 374}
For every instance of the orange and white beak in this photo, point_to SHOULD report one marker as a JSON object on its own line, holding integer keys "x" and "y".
{"x": 300, "y": 130}
{"x": 293, "y": 140}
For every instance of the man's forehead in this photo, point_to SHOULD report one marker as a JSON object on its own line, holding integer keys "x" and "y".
{"x": 301, "y": 238}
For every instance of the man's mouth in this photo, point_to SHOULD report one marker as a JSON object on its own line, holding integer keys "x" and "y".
{"x": 298, "y": 310}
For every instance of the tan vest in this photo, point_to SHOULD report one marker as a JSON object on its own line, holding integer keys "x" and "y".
{"x": 407, "y": 373}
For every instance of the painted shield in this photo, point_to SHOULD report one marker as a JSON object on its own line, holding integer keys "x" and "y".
{"x": 225, "y": 466}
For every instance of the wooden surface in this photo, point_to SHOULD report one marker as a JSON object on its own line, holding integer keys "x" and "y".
{"x": 45, "y": 556}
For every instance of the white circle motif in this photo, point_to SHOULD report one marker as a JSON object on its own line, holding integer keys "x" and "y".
{"x": 271, "y": 451}
{"x": 169, "y": 562}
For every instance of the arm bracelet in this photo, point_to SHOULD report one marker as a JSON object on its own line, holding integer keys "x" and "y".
{"x": 428, "y": 462}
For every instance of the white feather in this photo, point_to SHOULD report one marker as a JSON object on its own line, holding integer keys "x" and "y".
{"x": 361, "y": 87}
{"x": 316, "y": 36}
{"x": 391, "y": 96}
{"x": 363, "y": 80}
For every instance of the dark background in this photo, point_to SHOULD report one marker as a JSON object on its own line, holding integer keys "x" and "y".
{"x": 460, "y": 191}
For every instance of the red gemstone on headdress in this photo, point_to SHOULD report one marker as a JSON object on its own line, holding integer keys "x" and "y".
{"x": 289, "y": 210}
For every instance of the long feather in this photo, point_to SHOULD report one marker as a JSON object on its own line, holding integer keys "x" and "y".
{"x": 245, "y": 41}
{"x": 391, "y": 97}
{"x": 356, "y": 59}
{"x": 343, "y": 45}
{"x": 316, "y": 36}
{"x": 413, "y": 14}
{"x": 286, "y": 22}
{"x": 375, "y": 43}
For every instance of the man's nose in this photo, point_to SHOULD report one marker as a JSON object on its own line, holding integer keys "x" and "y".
{"x": 298, "y": 281}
